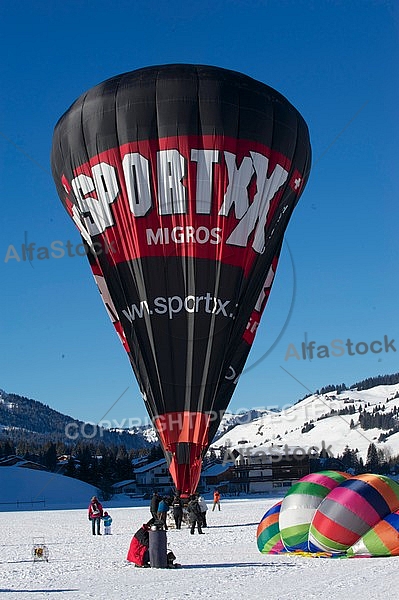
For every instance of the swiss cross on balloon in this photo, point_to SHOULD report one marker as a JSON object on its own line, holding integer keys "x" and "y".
{"x": 296, "y": 181}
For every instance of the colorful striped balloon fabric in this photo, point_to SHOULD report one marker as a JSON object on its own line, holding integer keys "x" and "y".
{"x": 334, "y": 514}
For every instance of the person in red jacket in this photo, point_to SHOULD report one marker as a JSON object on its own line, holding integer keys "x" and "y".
{"x": 95, "y": 514}
{"x": 216, "y": 500}
{"x": 138, "y": 550}
{"x": 139, "y": 553}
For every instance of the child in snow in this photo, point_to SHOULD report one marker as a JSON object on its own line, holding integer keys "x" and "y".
{"x": 107, "y": 523}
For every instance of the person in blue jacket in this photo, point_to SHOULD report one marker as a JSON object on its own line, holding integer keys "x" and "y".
{"x": 163, "y": 508}
{"x": 107, "y": 523}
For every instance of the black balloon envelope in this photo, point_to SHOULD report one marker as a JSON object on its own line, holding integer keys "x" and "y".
{"x": 182, "y": 180}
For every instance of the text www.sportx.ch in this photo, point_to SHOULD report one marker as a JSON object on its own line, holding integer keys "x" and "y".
{"x": 173, "y": 305}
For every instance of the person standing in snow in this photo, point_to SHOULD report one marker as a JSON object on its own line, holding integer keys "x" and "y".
{"x": 107, "y": 523}
{"x": 216, "y": 500}
{"x": 154, "y": 505}
{"x": 163, "y": 508}
{"x": 194, "y": 515}
{"x": 204, "y": 507}
{"x": 177, "y": 507}
{"x": 95, "y": 514}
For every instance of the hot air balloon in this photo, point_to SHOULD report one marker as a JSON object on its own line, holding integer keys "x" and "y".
{"x": 300, "y": 504}
{"x": 334, "y": 514}
{"x": 268, "y": 535}
{"x": 181, "y": 180}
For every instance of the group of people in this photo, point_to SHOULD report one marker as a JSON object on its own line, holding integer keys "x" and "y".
{"x": 196, "y": 510}
{"x": 98, "y": 514}
{"x": 159, "y": 507}
{"x": 139, "y": 547}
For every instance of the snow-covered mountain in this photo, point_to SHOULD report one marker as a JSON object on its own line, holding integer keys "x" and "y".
{"x": 25, "y": 419}
{"x": 339, "y": 418}
{"x": 231, "y": 420}
{"x": 350, "y": 418}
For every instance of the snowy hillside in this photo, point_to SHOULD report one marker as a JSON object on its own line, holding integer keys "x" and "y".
{"x": 230, "y": 420}
{"x": 327, "y": 417}
{"x": 31, "y": 489}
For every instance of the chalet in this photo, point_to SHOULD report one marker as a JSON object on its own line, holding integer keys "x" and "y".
{"x": 154, "y": 475}
{"x": 217, "y": 475}
{"x": 139, "y": 461}
{"x": 125, "y": 487}
{"x": 268, "y": 468}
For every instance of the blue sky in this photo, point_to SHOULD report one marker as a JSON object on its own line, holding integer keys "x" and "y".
{"x": 336, "y": 61}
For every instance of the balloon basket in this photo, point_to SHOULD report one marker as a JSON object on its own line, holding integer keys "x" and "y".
{"x": 40, "y": 551}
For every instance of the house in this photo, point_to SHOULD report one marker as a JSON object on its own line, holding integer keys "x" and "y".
{"x": 154, "y": 475}
{"x": 217, "y": 475}
{"x": 139, "y": 461}
{"x": 125, "y": 487}
{"x": 268, "y": 468}
{"x": 63, "y": 459}
{"x": 63, "y": 462}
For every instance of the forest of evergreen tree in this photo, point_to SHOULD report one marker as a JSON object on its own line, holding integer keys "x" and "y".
{"x": 97, "y": 464}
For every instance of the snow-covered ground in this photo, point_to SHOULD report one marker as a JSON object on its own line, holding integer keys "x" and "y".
{"x": 224, "y": 563}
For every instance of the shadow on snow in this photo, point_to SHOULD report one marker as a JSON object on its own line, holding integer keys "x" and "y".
{"x": 9, "y": 590}
{"x": 231, "y": 525}
{"x": 239, "y": 564}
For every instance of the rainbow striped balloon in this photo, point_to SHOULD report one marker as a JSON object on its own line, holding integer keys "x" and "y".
{"x": 300, "y": 505}
{"x": 382, "y": 540}
{"x": 268, "y": 532}
{"x": 334, "y": 514}
{"x": 350, "y": 510}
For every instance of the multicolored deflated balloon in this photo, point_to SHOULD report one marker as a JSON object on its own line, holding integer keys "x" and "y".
{"x": 334, "y": 514}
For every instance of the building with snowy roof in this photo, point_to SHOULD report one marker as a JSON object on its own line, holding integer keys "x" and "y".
{"x": 128, "y": 486}
{"x": 153, "y": 475}
{"x": 217, "y": 474}
{"x": 268, "y": 468}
